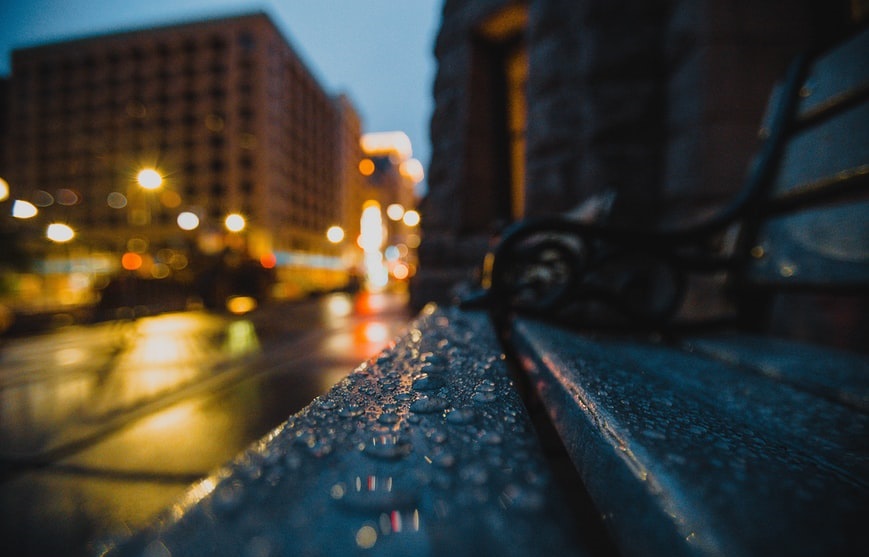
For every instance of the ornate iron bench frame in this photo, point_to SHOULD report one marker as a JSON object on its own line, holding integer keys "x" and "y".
{"x": 566, "y": 271}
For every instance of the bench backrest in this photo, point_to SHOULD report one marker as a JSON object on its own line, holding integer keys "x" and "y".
{"x": 813, "y": 225}
{"x": 802, "y": 219}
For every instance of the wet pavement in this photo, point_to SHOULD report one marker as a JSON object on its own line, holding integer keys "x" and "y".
{"x": 103, "y": 426}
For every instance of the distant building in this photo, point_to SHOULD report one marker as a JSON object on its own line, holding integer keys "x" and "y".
{"x": 391, "y": 175}
{"x": 4, "y": 123}
{"x": 226, "y": 113}
{"x": 647, "y": 108}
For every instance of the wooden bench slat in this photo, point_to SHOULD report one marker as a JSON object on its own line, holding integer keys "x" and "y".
{"x": 832, "y": 77}
{"x": 425, "y": 450}
{"x": 835, "y": 374}
{"x": 822, "y": 152}
{"x": 686, "y": 455}
{"x": 825, "y": 247}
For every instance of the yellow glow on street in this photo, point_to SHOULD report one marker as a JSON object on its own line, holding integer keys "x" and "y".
{"x": 339, "y": 306}
{"x": 149, "y": 179}
{"x": 239, "y": 305}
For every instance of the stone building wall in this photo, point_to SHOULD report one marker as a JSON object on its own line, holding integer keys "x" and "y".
{"x": 655, "y": 102}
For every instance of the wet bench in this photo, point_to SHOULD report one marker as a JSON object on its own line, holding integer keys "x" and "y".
{"x": 683, "y": 443}
{"x": 707, "y": 435}
{"x": 425, "y": 450}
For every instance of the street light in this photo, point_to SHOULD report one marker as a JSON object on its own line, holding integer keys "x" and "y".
{"x": 234, "y": 222}
{"x": 149, "y": 179}
{"x": 395, "y": 211}
{"x": 140, "y": 209}
{"x": 23, "y": 209}
{"x": 411, "y": 218}
{"x": 60, "y": 233}
{"x": 188, "y": 221}
{"x": 335, "y": 234}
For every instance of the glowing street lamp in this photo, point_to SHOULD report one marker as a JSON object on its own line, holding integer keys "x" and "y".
{"x": 4, "y": 190}
{"x": 366, "y": 167}
{"x": 23, "y": 209}
{"x": 335, "y": 234}
{"x": 60, "y": 233}
{"x": 411, "y": 218}
{"x": 188, "y": 221}
{"x": 149, "y": 179}
{"x": 395, "y": 211}
{"x": 412, "y": 168}
{"x": 234, "y": 222}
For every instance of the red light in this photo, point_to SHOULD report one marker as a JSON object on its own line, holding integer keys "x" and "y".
{"x": 131, "y": 261}
{"x": 268, "y": 260}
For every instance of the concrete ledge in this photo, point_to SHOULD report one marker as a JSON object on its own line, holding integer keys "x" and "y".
{"x": 425, "y": 450}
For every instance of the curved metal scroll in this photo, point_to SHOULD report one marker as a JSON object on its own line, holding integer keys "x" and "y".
{"x": 559, "y": 267}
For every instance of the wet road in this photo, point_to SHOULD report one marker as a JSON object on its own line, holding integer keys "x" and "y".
{"x": 103, "y": 426}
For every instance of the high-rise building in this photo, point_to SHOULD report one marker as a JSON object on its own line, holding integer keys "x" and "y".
{"x": 225, "y": 112}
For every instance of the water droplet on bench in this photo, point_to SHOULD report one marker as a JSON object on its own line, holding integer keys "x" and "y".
{"x": 429, "y": 405}
{"x": 351, "y": 411}
{"x": 388, "y": 418}
{"x": 462, "y": 416}
{"x": 522, "y": 497}
{"x": 486, "y": 386}
{"x": 228, "y": 496}
{"x": 491, "y": 438}
{"x": 388, "y": 446}
{"x": 483, "y": 397}
{"x": 427, "y": 382}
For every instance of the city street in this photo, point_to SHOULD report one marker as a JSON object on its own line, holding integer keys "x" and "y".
{"x": 103, "y": 426}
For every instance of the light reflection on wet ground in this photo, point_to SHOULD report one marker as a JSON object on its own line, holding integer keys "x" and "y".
{"x": 56, "y": 388}
{"x": 159, "y": 403}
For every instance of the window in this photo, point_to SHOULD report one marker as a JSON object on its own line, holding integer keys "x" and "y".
{"x": 496, "y": 142}
{"x": 246, "y": 41}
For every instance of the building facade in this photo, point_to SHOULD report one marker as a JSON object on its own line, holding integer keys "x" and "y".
{"x": 227, "y": 115}
{"x": 642, "y": 111}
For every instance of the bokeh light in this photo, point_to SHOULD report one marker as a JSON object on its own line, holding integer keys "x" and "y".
{"x": 59, "y": 232}
{"x": 234, "y": 222}
{"x": 149, "y": 179}
{"x": 400, "y": 271}
{"x": 268, "y": 260}
{"x": 116, "y": 200}
{"x": 188, "y": 221}
{"x": 366, "y": 167}
{"x": 131, "y": 261}
{"x": 411, "y": 218}
{"x": 395, "y": 211}
{"x": 412, "y": 169}
{"x": 335, "y": 234}
{"x": 23, "y": 209}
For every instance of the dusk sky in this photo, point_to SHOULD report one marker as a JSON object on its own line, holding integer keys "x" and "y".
{"x": 379, "y": 52}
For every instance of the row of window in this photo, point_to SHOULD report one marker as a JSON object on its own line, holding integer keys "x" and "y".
{"x": 215, "y": 46}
